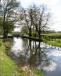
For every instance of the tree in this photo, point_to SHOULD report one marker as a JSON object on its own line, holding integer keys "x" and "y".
{"x": 7, "y": 7}
{"x": 1, "y": 28}
{"x": 36, "y": 19}
{"x": 24, "y": 30}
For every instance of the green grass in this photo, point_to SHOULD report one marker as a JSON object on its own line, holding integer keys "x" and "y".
{"x": 7, "y": 66}
{"x": 56, "y": 42}
{"x": 53, "y": 39}
{"x": 53, "y": 34}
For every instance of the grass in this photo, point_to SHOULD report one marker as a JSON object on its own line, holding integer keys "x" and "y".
{"x": 7, "y": 66}
{"x": 52, "y": 34}
{"x": 53, "y": 39}
{"x": 54, "y": 43}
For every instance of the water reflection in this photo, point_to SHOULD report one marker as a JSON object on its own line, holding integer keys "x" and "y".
{"x": 30, "y": 52}
{"x": 54, "y": 55}
{"x": 17, "y": 46}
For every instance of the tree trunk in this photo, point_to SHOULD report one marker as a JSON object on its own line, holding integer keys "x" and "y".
{"x": 4, "y": 28}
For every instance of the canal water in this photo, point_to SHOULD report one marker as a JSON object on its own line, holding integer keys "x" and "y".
{"x": 53, "y": 55}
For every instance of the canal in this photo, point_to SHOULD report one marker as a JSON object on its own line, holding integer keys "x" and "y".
{"x": 21, "y": 48}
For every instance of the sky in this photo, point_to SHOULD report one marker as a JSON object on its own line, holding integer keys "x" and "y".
{"x": 54, "y": 7}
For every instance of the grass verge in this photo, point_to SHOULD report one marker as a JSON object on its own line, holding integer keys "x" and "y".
{"x": 56, "y": 43}
{"x": 7, "y": 66}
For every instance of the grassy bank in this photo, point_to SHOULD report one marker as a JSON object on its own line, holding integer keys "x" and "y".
{"x": 54, "y": 43}
{"x": 53, "y": 39}
{"x": 8, "y": 67}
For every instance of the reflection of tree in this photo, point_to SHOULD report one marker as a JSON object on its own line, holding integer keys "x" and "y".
{"x": 38, "y": 55}
{"x": 36, "y": 19}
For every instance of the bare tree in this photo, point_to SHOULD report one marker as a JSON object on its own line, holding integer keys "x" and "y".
{"x": 36, "y": 19}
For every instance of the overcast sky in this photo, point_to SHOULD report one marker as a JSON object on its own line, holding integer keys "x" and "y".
{"x": 55, "y": 9}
